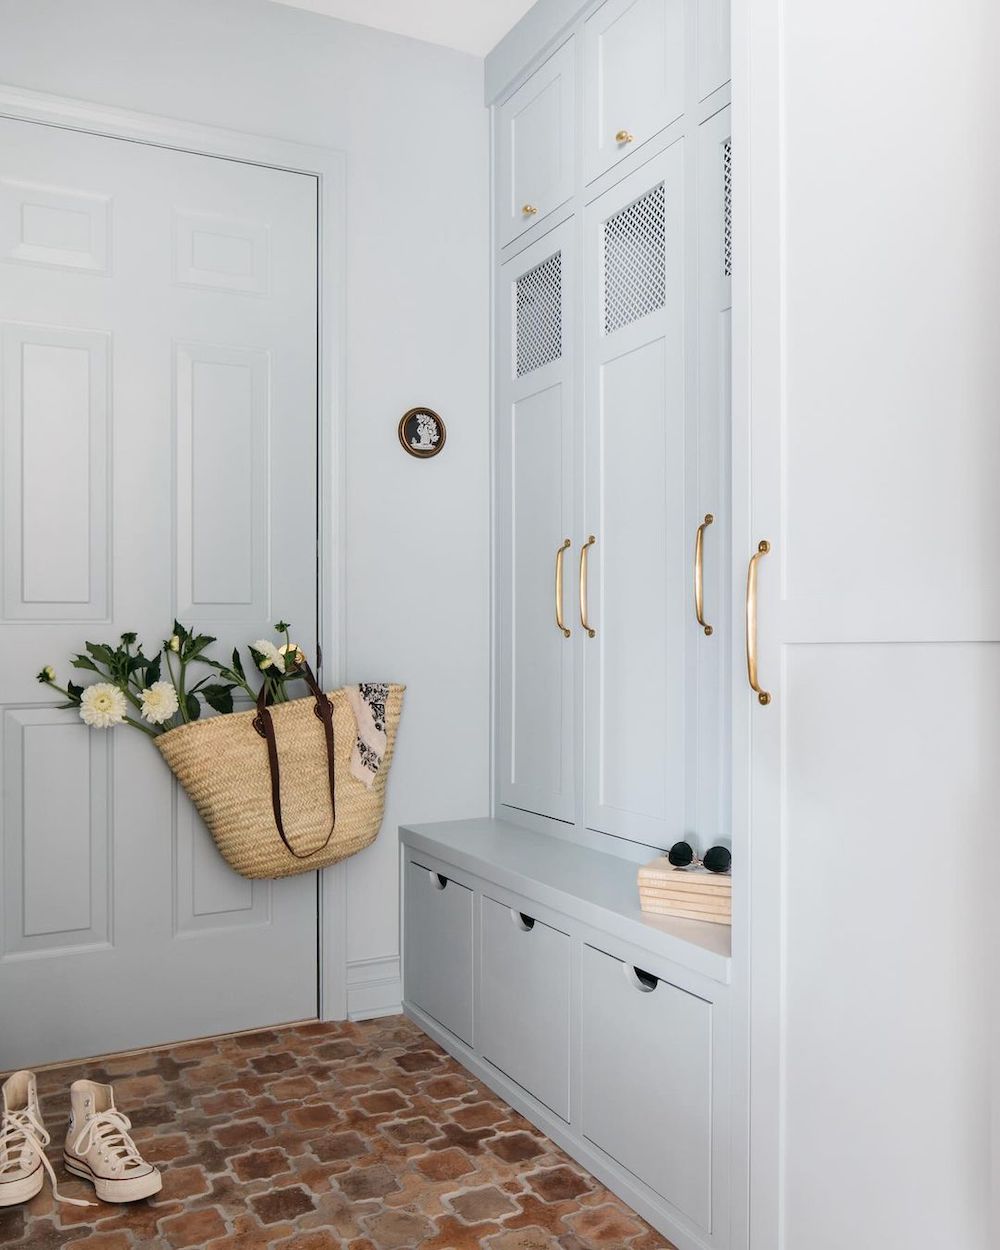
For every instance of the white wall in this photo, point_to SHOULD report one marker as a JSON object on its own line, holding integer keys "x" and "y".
{"x": 411, "y": 119}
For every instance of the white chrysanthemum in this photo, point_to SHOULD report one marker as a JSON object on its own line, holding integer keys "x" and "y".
{"x": 159, "y": 702}
{"x": 294, "y": 653}
{"x": 102, "y": 705}
{"x": 269, "y": 655}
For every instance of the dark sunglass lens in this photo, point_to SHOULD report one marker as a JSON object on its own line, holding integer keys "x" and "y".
{"x": 718, "y": 859}
{"x": 680, "y": 855}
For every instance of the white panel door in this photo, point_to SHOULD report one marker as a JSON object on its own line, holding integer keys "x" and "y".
{"x": 638, "y": 561}
{"x": 536, "y": 146}
{"x": 158, "y": 419}
{"x": 635, "y": 57}
{"x": 535, "y": 483}
{"x": 869, "y": 354}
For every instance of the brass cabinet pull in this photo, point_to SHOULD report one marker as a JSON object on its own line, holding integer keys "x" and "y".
{"x": 583, "y": 586}
{"x": 699, "y": 566}
{"x": 529, "y": 210}
{"x": 624, "y": 136}
{"x": 763, "y": 547}
{"x": 559, "y": 589}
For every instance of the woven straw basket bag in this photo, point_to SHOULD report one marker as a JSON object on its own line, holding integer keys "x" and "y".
{"x": 274, "y": 785}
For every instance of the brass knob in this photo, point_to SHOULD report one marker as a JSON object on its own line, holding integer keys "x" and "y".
{"x": 624, "y": 136}
{"x": 529, "y": 210}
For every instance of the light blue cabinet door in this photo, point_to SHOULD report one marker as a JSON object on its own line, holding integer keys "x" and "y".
{"x": 535, "y": 500}
{"x": 637, "y": 590}
{"x": 524, "y": 1002}
{"x": 536, "y": 147}
{"x": 634, "y": 56}
{"x": 647, "y": 1080}
{"x": 438, "y": 948}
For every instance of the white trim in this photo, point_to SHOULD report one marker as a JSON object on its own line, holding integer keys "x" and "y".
{"x": 329, "y": 168}
{"x": 374, "y": 988}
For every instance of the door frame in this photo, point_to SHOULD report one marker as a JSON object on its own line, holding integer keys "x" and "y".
{"x": 328, "y": 167}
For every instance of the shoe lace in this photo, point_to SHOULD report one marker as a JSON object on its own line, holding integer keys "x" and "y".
{"x": 108, "y": 1131}
{"x": 21, "y": 1130}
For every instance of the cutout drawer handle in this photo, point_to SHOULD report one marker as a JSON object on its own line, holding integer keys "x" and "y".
{"x": 523, "y": 922}
{"x": 640, "y": 980}
{"x": 438, "y": 881}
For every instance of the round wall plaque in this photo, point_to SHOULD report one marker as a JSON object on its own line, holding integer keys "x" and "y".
{"x": 422, "y": 433}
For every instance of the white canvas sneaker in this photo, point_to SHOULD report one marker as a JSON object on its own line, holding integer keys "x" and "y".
{"x": 99, "y": 1149}
{"x": 23, "y": 1138}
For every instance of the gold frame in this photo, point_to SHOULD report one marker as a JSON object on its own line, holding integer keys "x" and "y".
{"x": 401, "y": 432}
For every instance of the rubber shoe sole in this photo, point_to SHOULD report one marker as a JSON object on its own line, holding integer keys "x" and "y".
{"x": 118, "y": 1189}
{"x": 13, "y": 1192}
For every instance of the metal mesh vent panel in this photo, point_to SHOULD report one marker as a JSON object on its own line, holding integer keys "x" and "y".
{"x": 635, "y": 260}
{"x": 539, "y": 315}
{"x": 727, "y": 208}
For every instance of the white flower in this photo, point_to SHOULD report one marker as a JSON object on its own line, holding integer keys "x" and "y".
{"x": 269, "y": 655}
{"x": 159, "y": 702}
{"x": 102, "y": 705}
{"x": 175, "y": 643}
{"x": 49, "y": 672}
{"x": 294, "y": 653}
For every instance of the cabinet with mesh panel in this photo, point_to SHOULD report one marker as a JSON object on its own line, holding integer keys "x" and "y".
{"x": 613, "y": 625}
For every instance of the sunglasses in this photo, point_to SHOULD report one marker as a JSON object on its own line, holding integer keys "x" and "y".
{"x": 715, "y": 859}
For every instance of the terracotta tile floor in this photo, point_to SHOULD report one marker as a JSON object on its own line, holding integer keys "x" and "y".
{"x": 362, "y": 1136}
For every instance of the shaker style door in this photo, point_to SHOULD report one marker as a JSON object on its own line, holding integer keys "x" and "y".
{"x": 536, "y": 146}
{"x": 635, "y": 77}
{"x": 637, "y": 569}
{"x": 538, "y": 547}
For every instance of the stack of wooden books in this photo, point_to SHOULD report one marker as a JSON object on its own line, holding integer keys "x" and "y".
{"x": 693, "y": 893}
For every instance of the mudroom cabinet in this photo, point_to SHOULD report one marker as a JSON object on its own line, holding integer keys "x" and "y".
{"x": 612, "y": 454}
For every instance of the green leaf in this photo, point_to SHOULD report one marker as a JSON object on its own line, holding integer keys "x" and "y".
{"x": 101, "y": 652}
{"x": 180, "y": 631}
{"x": 82, "y": 661}
{"x": 193, "y": 707}
{"x": 238, "y": 664}
{"x": 219, "y": 697}
{"x": 129, "y": 639}
{"x": 75, "y": 693}
{"x": 153, "y": 671}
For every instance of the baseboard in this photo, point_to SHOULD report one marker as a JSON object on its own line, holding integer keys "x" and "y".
{"x": 374, "y": 988}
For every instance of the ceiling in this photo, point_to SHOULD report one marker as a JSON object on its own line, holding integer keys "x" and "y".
{"x": 471, "y": 25}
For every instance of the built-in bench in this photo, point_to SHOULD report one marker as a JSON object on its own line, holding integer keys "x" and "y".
{"x": 527, "y": 957}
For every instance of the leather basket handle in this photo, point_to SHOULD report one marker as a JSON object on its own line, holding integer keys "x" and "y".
{"x": 263, "y": 723}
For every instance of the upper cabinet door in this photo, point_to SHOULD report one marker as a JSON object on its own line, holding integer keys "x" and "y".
{"x": 535, "y": 147}
{"x": 634, "y": 52}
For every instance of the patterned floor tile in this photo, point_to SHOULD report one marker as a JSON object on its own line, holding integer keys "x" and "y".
{"x": 324, "y": 1137}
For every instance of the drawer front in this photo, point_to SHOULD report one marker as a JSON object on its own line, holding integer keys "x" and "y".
{"x": 524, "y": 1003}
{"x": 634, "y": 55}
{"x": 438, "y": 949}
{"x": 647, "y": 1080}
{"x": 535, "y": 147}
